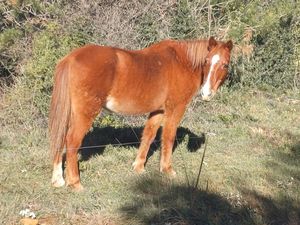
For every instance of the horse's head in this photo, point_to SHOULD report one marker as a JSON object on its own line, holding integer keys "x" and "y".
{"x": 215, "y": 68}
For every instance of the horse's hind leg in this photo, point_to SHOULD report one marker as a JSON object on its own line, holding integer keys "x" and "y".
{"x": 80, "y": 123}
{"x": 75, "y": 134}
{"x": 149, "y": 133}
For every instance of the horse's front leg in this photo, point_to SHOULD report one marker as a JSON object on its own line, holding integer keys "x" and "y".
{"x": 171, "y": 121}
{"x": 149, "y": 133}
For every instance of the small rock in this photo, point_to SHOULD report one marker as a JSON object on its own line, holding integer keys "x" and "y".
{"x": 29, "y": 221}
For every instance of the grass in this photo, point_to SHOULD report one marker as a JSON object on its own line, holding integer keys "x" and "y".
{"x": 250, "y": 172}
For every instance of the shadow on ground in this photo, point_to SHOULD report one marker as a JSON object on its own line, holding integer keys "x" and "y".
{"x": 288, "y": 160}
{"x": 285, "y": 157}
{"x": 285, "y": 163}
{"x": 283, "y": 211}
{"x": 130, "y": 137}
{"x": 159, "y": 201}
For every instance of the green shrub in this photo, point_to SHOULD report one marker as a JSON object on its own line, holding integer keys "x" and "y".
{"x": 275, "y": 27}
{"x": 19, "y": 23}
{"x": 8, "y": 60}
{"x": 147, "y": 30}
{"x": 183, "y": 25}
{"x": 8, "y": 36}
{"x": 36, "y": 34}
{"x": 48, "y": 47}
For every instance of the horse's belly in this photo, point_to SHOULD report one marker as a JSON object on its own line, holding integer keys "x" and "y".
{"x": 131, "y": 106}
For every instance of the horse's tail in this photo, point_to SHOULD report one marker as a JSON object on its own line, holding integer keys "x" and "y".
{"x": 60, "y": 108}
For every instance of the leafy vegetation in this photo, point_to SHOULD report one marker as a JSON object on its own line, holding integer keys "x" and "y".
{"x": 251, "y": 171}
{"x": 183, "y": 24}
{"x": 35, "y": 34}
{"x": 269, "y": 47}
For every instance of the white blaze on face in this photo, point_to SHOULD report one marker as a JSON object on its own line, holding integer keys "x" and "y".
{"x": 206, "y": 88}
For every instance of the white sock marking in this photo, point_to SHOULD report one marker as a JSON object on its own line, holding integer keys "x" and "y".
{"x": 57, "y": 175}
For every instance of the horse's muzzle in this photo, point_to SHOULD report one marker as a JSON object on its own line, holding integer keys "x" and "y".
{"x": 206, "y": 96}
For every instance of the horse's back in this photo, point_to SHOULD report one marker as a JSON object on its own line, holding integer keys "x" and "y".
{"x": 92, "y": 57}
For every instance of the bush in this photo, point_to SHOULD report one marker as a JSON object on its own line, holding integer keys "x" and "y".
{"x": 183, "y": 24}
{"x": 48, "y": 47}
{"x": 147, "y": 30}
{"x": 8, "y": 60}
{"x": 273, "y": 56}
{"x": 20, "y": 21}
{"x": 8, "y": 36}
{"x": 36, "y": 34}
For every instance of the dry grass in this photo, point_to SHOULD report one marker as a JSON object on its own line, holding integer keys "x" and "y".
{"x": 250, "y": 173}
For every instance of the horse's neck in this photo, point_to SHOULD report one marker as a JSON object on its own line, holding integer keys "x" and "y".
{"x": 191, "y": 55}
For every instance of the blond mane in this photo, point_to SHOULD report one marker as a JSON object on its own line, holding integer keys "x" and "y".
{"x": 196, "y": 52}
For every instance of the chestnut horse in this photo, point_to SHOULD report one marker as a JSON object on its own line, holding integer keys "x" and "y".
{"x": 160, "y": 80}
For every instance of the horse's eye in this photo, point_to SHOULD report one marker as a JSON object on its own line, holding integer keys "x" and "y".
{"x": 225, "y": 66}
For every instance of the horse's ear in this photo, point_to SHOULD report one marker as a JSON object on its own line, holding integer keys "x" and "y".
{"x": 229, "y": 45}
{"x": 211, "y": 43}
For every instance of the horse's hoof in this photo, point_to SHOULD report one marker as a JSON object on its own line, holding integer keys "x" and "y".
{"x": 77, "y": 187}
{"x": 138, "y": 167}
{"x": 169, "y": 172}
{"x": 58, "y": 182}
